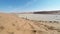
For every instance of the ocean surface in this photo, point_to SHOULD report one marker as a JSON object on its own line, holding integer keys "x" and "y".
{"x": 38, "y": 17}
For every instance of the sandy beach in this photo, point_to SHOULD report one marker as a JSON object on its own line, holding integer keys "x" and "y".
{"x": 12, "y": 24}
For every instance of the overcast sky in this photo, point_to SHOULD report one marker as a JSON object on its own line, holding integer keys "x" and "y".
{"x": 28, "y": 5}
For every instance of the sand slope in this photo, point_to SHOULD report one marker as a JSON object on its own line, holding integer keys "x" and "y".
{"x": 12, "y": 24}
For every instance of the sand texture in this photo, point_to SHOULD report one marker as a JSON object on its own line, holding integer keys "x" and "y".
{"x": 12, "y": 24}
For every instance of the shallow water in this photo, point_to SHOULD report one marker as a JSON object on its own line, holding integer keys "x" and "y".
{"x": 38, "y": 17}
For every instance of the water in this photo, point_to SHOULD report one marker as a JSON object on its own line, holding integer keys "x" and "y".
{"x": 38, "y": 17}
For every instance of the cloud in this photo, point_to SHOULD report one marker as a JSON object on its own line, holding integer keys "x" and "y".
{"x": 22, "y": 9}
{"x": 34, "y": 0}
{"x": 30, "y": 3}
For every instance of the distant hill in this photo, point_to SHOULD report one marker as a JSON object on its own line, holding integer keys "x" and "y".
{"x": 47, "y": 12}
{"x": 42, "y": 12}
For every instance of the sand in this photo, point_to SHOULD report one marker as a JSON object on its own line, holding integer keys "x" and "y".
{"x": 12, "y": 24}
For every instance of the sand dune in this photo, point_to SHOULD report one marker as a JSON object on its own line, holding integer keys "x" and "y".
{"x": 12, "y": 24}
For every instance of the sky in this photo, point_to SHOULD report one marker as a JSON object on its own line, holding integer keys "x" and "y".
{"x": 28, "y": 5}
